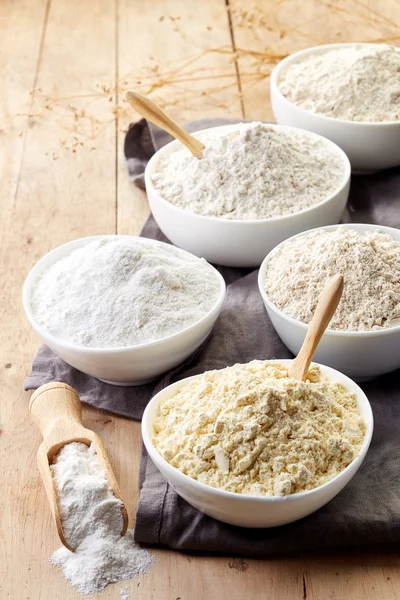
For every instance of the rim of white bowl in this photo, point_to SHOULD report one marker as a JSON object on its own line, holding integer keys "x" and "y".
{"x": 236, "y": 222}
{"x": 352, "y": 385}
{"x": 292, "y": 320}
{"x": 320, "y": 49}
{"x": 78, "y": 243}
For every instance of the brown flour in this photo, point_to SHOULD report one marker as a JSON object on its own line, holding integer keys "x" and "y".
{"x": 369, "y": 263}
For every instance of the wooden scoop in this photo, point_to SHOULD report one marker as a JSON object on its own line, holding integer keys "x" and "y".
{"x": 57, "y": 411}
{"x": 326, "y": 307}
{"x": 149, "y": 110}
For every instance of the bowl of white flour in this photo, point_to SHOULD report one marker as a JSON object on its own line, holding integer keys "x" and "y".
{"x": 363, "y": 337}
{"x": 251, "y": 446}
{"x": 256, "y": 185}
{"x": 349, "y": 93}
{"x": 121, "y": 308}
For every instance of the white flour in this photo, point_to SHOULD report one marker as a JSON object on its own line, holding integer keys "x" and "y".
{"x": 92, "y": 522}
{"x": 369, "y": 263}
{"x": 254, "y": 172}
{"x": 252, "y": 429}
{"x": 358, "y": 83}
{"x": 119, "y": 292}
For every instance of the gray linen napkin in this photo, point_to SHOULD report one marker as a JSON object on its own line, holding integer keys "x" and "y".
{"x": 366, "y": 511}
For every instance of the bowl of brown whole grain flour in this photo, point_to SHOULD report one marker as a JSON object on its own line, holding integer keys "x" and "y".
{"x": 256, "y": 185}
{"x": 349, "y": 93}
{"x": 363, "y": 337}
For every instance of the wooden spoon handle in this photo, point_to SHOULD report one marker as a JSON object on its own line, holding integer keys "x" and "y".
{"x": 52, "y": 403}
{"x": 149, "y": 110}
{"x": 326, "y": 307}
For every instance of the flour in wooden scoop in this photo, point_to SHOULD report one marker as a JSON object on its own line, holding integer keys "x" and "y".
{"x": 92, "y": 524}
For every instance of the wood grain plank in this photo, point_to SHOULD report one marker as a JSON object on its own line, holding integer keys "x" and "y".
{"x": 61, "y": 194}
{"x": 19, "y": 58}
{"x": 22, "y": 27}
{"x": 167, "y": 55}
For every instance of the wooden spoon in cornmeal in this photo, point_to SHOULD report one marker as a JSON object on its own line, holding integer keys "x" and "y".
{"x": 151, "y": 111}
{"x": 326, "y": 307}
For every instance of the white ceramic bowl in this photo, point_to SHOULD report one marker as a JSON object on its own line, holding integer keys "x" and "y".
{"x": 362, "y": 355}
{"x": 254, "y": 511}
{"x": 369, "y": 146}
{"x": 132, "y": 365}
{"x": 238, "y": 243}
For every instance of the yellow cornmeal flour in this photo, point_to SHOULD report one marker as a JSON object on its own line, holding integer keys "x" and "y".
{"x": 251, "y": 429}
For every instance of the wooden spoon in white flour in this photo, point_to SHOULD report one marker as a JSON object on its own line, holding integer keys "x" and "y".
{"x": 326, "y": 307}
{"x": 149, "y": 110}
{"x": 57, "y": 411}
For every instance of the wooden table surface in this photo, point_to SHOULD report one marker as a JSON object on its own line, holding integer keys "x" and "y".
{"x": 64, "y": 66}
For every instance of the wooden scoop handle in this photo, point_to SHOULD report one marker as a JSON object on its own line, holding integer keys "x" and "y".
{"x": 149, "y": 110}
{"x": 53, "y": 403}
{"x": 56, "y": 410}
{"x": 326, "y": 307}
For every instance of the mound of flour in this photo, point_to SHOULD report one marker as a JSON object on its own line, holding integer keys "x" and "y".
{"x": 254, "y": 172}
{"x": 369, "y": 263}
{"x": 118, "y": 292}
{"x": 357, "y": 83}
{"x": 252, "y": 429}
